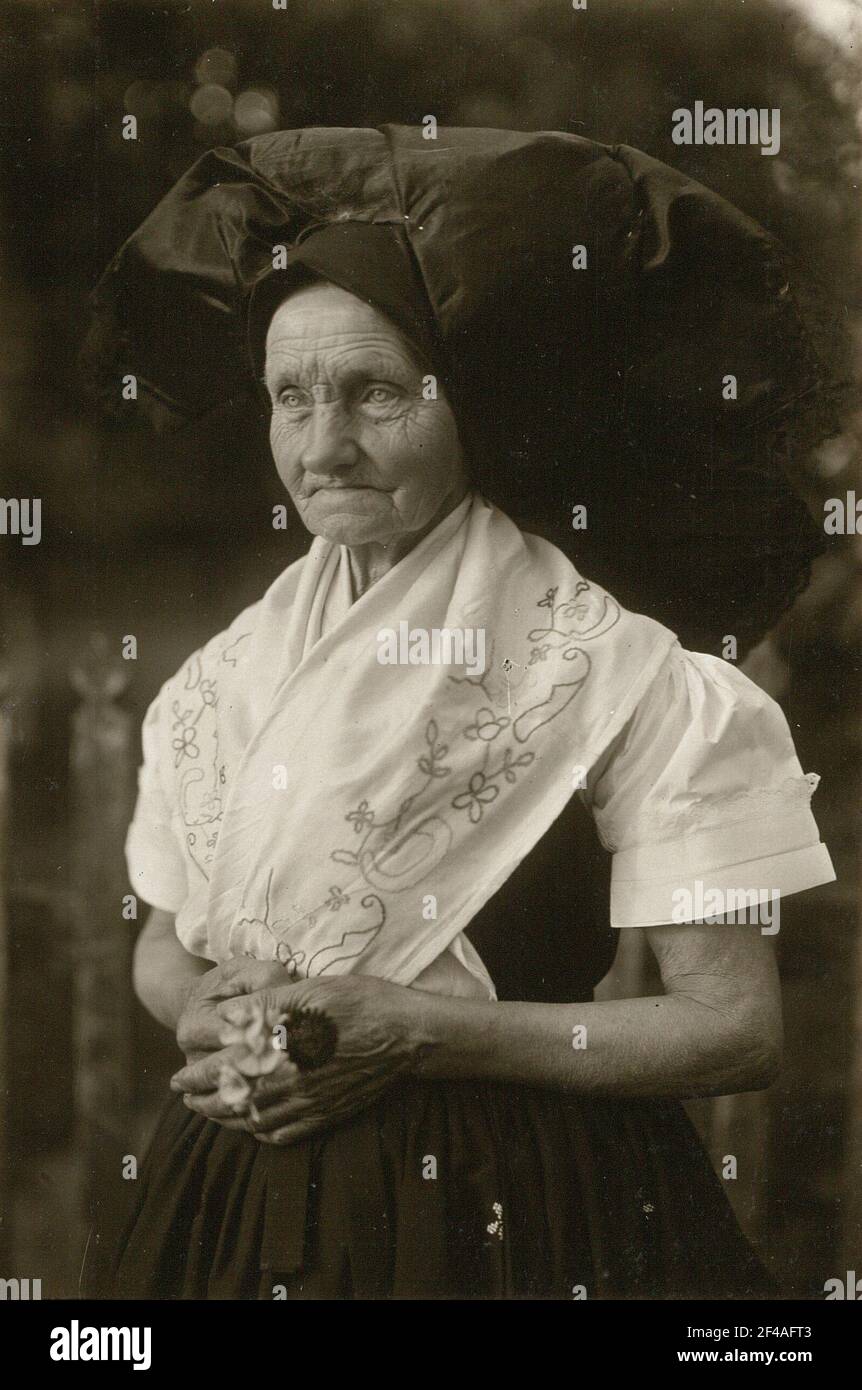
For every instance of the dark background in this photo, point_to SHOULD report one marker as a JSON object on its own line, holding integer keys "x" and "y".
{"x": 167, "y": 538}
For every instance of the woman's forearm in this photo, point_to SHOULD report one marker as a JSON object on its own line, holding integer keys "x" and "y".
{"x": 164, "y": 972}
{"x": 671, "y": 1046}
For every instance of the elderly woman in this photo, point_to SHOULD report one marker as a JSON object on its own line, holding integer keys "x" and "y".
{"x": 338, "y": 815}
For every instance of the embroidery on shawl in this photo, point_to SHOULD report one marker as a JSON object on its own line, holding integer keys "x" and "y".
{"x": 398, "y": 851}
{"x": 202, "y": 776}
{"x": 349, "y": 945}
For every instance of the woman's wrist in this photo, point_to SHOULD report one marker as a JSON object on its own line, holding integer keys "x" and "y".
{"x": 178, "y": 996}
{"x": 448, "y": 1034}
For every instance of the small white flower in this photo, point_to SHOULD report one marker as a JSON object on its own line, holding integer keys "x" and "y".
{"x": 495, "y": 1228}
{"x": 233, "y": 1089}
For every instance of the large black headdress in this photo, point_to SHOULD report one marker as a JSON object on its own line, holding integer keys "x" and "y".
{"x": 612, "y": 335}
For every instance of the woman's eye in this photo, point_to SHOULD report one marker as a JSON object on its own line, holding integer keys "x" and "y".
{"x": 380, "y": 395}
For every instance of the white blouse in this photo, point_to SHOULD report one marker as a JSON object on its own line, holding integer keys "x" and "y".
{"x": 703, "y": 791}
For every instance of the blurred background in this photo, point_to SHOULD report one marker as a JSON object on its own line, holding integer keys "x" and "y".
{"x": 167, "y": 537}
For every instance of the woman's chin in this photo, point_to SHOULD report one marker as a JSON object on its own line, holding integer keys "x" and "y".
{"x": 344, "y": 522}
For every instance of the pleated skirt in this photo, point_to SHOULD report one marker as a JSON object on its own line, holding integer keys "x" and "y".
{"x": 440, "y": 1190}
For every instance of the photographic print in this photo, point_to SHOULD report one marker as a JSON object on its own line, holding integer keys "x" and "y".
{"x": 430, "y": 661}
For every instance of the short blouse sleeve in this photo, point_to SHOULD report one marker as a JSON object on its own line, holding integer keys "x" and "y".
{"x": 154, "y": 857}
{"x": 701, "y": 799}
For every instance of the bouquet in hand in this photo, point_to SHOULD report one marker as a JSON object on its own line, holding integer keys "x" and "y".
{"x": 301, "y": 1039}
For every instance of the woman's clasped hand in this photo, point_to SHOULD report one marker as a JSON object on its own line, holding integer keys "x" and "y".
{"x": 378, "y": 1039}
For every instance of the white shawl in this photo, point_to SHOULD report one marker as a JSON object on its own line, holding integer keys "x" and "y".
{"x": 345, "y": 814}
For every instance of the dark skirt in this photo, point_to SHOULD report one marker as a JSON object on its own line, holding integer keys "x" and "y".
{"x": 440, "y": 1190}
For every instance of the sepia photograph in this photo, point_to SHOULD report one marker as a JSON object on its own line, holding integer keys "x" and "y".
{"x": 431, "y": 663}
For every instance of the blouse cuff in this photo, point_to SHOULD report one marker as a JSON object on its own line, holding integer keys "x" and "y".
{"x": 653, "y": 885}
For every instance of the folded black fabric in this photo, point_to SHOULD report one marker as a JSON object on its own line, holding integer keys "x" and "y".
{"x": 594, "y": 377}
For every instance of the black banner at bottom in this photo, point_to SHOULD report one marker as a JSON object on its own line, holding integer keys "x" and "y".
{"x": 191, "y": 1339}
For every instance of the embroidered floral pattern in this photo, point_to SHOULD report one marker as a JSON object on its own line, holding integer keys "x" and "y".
{"x": 495, "y": 1227}
{"x": 487, "y": 725}
{"x": 483, "y": 787}
{"x": 361, "y": 817}
{"x": 364, "y": 818}
{"x": 538, "y": 654}
{"x": 430, "y": 763}
{"x": 589, "y": 613}
{"x": 197, "y": 758}
{"x": 479, "y": 794}
{"x": 349, "y": 944}
{"x": 394, "y": 845}
{"x": 185, "y": 744}
{"x": 284, "y": 953}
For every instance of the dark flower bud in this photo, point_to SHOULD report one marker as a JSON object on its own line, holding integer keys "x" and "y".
{"x": 310, "y": 1037}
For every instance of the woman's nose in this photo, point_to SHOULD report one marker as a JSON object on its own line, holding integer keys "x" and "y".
{"x": 329, "y": 446}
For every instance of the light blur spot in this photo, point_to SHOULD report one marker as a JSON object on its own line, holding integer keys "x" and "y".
{"x": 834, "y": 456}
{"x": 256, "y": 111}
{"x": 784, "y": 177}
{"x": 211, "y": 104}
{"x": 839, "y": 19}
{"x": 216, "y": 66}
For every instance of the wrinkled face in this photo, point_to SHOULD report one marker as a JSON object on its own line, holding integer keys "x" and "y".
{"x": 364, "y": 457}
